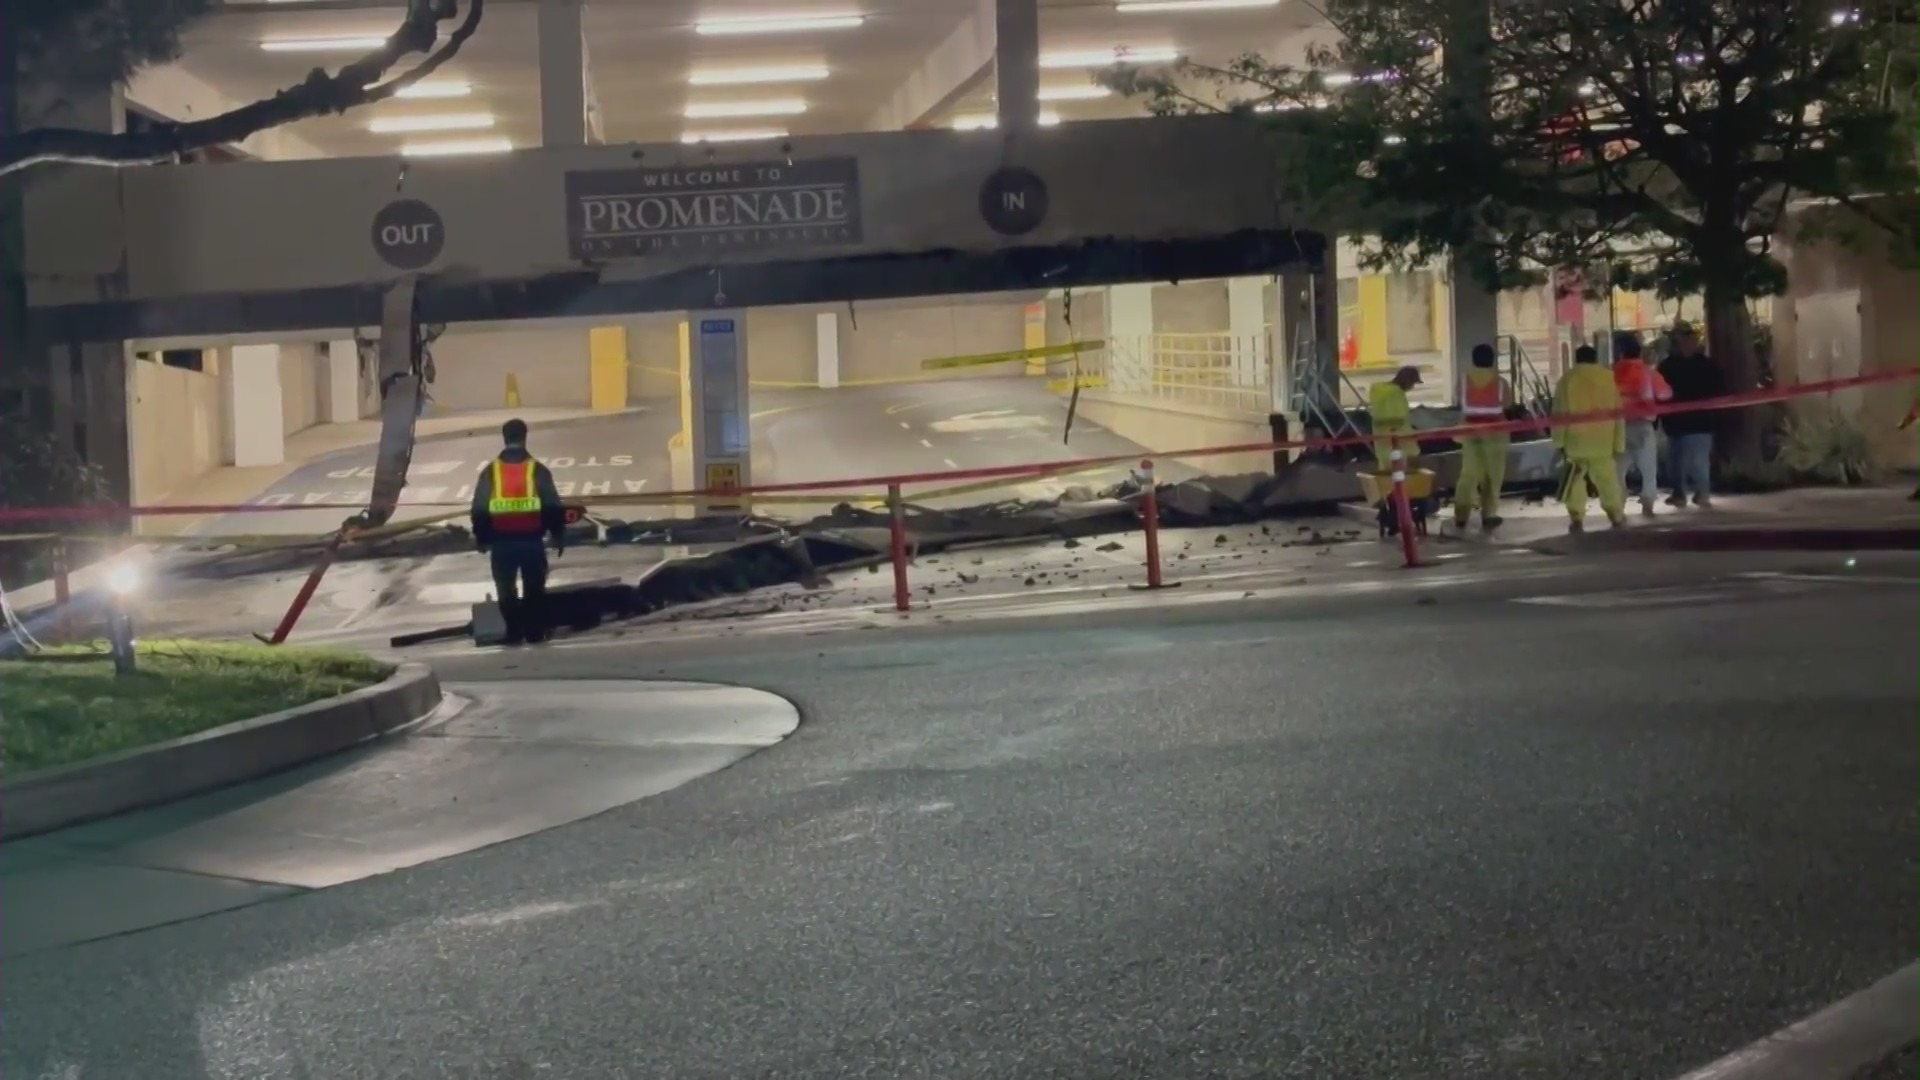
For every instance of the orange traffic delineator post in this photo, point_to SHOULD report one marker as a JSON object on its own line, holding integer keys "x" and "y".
{"x": 1150, "y": 527}
{"x": 305, "y": 595}
{"x": 1402, "y": 510}
{"x": 897, "y": 546}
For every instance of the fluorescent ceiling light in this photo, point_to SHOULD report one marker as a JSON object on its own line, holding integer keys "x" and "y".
{"x": 1073, "y": 93}
{"x": 323, "y": 44}
{"x": 722, "y": 109}
{"x": 435, "y": 90}
{"x": 452, "y": 147}
{"x": 774, "y": 24}
{"x": 399, "y": 125}
{"x": 1087, "y": 58}
{"x": 1125, "y": 6}
{"x": 988, "y": 121}
{"x": 750, "y": 76}
{"x": 733, "y": 136}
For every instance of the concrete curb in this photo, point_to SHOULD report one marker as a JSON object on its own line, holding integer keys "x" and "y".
{"x": 55, "y": 798}
{"x": 1734, "y": 538}
{"x": 1833, "y": 1043}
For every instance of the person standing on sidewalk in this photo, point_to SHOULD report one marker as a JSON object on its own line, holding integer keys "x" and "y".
{"x": 1485, "y": 398}
{"x": 1694, "y": 376}
{"x": 1589, "y": 445}
{"x": 515, "y": 504}
{"x": 1641, "y": 388}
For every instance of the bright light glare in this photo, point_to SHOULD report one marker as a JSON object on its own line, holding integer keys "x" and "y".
{"x": 1088, "y": 92}
{"x": 1394, "y": 140}
{"x": 123, "y": 579}
{"x": 1147, "y": 6}
{"x": 397, "y": 125}
{"x": 423, "y": 91}
{"x": 1088, "y": 58}
{"x": 773, "y": 24}
{"x": 332, "y": 44}
{"x": 988, "y": 121}
{"x": 456, "y": 147}
{"x": 751, "y": 76}
{"x": 1842, "y": 18}
{"x": 733, "y": 136}
{"x": 722, "y": 109}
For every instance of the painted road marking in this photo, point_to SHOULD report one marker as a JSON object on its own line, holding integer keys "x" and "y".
{"x": 906, "y": 425}
{"x": 1673, "y": 595}
{"x": 442, "y": 468}
{"x": 928, "y": 443}
{"x": 990, "y": 420}
{"x": 950, "y": 463}
{"x": 414, "y": 495}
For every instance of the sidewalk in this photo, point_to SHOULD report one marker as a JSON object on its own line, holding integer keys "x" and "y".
{"x": 1797, "y": 519}
{"x": 518, "y": 759}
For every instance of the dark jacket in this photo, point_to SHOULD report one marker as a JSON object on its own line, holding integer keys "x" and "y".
{"x": 553, "y": 516}
{"x": 1693, "y": 378}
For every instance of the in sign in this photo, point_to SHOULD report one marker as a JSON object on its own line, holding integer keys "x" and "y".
{"x": 408, "y": 234}
{"x": 1013, "y": 201}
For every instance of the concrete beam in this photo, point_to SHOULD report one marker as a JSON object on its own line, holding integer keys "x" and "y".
{"x": 954, "y": 69}
{"x": 563, "y": 79}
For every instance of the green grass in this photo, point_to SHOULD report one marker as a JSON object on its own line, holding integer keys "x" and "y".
{"x": 71, "y": 706}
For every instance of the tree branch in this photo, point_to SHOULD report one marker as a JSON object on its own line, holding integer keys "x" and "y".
{"x": 320, "y": 94}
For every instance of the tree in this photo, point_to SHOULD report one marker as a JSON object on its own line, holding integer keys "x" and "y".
{"x": 69, "y": 44}
{"x": 1664, "y": 139}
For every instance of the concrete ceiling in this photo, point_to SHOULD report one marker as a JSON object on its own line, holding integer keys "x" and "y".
{"x": 641, "y": 53}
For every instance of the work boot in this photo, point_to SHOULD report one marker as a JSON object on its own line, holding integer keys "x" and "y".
{"x": 1619, "y": 520}
{"x": 1576, "y": 526}
{"x": 1704, "y": 502}
{"x": 1676, "y": 500}
{"x": 1646, "y": 507}
{"x": 1488, "y": 524}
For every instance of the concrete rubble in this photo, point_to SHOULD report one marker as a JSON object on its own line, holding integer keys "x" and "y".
{"x": 759, "y": 552}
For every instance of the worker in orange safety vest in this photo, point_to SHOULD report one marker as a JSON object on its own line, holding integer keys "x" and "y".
{"x": 1485, "y": 398}
{"x": 515, "y": 504}
{"x": 1641, "y": 388}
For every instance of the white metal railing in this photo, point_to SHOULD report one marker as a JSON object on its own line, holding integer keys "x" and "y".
{"x": 1213, "y": 371}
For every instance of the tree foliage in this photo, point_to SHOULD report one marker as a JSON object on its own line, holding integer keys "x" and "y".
{"x": 1666, "y": 140}
{"x": 88, "y": 43}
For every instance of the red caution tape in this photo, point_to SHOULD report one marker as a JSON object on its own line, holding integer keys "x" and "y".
{"x": 1041, "y": 470}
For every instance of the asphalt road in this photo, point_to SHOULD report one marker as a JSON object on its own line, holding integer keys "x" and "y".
{"x": 1612, "y": 825}
{"x": 798, "y": 436}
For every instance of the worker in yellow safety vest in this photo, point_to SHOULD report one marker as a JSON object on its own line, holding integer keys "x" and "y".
{"x": 1485, "y": 398}
{"x": 514, "y": 504}
{"x": 1392, "y": 417}
{"x": 1590, "y": 445}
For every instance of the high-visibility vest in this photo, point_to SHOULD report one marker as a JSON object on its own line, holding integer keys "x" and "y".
{"x": 1387, "y": 405}
{"x": 514, "y": 505}
{"x": 1640, "y": 386}
{"x": 1482, "y": 402}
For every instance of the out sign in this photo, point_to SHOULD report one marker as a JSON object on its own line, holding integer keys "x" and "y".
{"x": 408, "y": 234}
{"x": 1013, "y": 201}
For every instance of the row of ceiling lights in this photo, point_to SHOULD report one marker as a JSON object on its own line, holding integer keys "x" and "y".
{"x": 478, "y": 121}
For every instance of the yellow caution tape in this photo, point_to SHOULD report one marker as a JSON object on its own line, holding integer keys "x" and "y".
{"x": 983, "y": 359}
{"x": 1086, "y": 382}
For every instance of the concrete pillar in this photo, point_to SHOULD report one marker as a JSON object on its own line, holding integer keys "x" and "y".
{"x": 1306, "y": 330}
{"x": 256, "y": 428}
{"x": 1247, "y": 326}
{"x": 826, "y": 349}
{"x": 1130, "y": 337}
{"x": 1473, "y": 318}
{"x": 1016, "y": 61}
{"x": 563, "y": 80}
{"x": 720, "y": 439}
{"x": 340, "y": 389}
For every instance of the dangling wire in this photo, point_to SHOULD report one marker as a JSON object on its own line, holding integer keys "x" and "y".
{"x": 1073, "y": 338}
